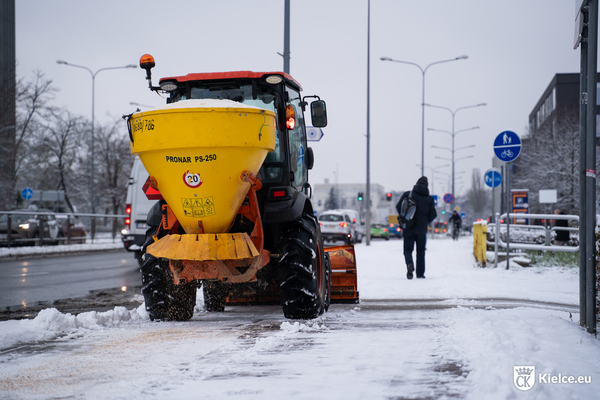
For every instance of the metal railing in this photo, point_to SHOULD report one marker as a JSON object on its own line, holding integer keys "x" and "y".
{"x": 8, "y": 238}
{"x": 548, "y": 246}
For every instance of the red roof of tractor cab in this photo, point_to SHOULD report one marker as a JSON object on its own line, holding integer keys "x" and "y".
{"x": 209, "y": 76}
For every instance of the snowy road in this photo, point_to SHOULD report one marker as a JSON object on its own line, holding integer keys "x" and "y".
{"x": 457, "y": 334}
{"x": 47, "y": 279}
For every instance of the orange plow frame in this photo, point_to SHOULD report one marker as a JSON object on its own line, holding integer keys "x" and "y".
{"x": 344, "y": 282}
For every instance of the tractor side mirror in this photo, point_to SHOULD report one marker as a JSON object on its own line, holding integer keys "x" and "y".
{"x": 310, "y": 158}
{"x": 318, "y": 113}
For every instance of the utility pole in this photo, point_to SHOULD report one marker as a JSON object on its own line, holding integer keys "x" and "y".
{"x": 587, "y": 17}
{"x": 7, "y": 105}
{"x": 286, "y": 37}
{"x": 368, "y": 198}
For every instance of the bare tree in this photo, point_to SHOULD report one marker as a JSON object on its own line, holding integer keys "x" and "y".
{"x": 60, "y": 142}
{"x": 478, "y": 195}
{"x": 33, "y": 106}
{"x": 113, "y": 162}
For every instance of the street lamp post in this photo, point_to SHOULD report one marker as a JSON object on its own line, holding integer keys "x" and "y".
{"x": 454, "y": 161}
{"x": 453, "y": 150}
{"x": 454, "y": 133}
{"x": 93, "y": 74}
{"x": 423, "y": 71}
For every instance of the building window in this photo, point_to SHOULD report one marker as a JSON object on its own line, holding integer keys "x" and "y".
{"x": 546, "y": 109}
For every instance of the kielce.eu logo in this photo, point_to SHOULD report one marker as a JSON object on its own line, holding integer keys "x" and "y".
{"x": 524, "y": 376}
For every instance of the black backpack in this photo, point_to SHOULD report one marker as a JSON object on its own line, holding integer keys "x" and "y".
{"x": 406, "y": 211}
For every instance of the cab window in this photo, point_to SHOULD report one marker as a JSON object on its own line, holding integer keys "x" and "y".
{"x": 297, "y": 138}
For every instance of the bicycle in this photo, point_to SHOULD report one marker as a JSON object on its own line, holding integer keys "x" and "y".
{"x": 455, "y": 231}
{"x": 507, "y": 153}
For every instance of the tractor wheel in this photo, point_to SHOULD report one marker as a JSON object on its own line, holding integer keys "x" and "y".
{"x": 215, "y": 295}
{"x": 164, "y": 300}
{"x": 303, "y": 272}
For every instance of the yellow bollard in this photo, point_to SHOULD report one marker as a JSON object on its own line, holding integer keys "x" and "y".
{"x": 480, "y": 241}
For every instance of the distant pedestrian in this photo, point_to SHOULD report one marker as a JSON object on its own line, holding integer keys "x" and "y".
{"x": 417, "y": 233}
{"x": 562, "y": 235}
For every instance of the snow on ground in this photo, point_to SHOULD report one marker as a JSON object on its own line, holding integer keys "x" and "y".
{"x": 103, "y": 241}
{"x": 466, "y": 346}
{"x": 451, "y": 273}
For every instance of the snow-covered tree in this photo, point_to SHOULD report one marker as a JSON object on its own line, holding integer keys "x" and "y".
{"x": 549, "y": 160}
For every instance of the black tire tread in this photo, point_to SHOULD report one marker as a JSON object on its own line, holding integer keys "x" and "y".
{"x": 301, "y": 244}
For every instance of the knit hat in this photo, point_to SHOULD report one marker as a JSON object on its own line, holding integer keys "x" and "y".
{"x": 423, "y": 181}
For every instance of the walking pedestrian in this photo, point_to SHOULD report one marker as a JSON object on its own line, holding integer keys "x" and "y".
{"x": 562, "y": 235}
{"x": 417, "y": 233}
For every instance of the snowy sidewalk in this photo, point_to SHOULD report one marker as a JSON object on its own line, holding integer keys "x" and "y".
{"x": 451, "y": 273}
{"x": 461, "y": 346}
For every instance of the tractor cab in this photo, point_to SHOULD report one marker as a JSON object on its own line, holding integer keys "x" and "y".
{"x": 278, "y": 92}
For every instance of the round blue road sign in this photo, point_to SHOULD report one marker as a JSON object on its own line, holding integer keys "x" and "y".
{"x": 492, "y": 177}
{"x": 448, "y": 198}
{"x": 507, "y": 146}
{"x": 27, "y": 193}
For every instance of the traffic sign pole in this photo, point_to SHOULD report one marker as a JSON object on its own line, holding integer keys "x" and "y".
{"x": 508, "y": 207}
{"x": 493, "y": 179}
{"x": 507, "y": 147}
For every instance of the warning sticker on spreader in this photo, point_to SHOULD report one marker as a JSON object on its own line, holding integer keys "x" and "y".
{"x": 198, "y": 207}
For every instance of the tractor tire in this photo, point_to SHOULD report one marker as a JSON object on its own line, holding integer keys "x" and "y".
{"x": 303, "y": 272}
{"x": 215, "y": 295}
{"x": 165, "y": 301}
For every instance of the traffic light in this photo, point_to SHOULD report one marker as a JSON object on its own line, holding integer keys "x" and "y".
{"x": 388, "y": 195}
{"x": 443, "y": 212}
{"x": 360, "y": 196}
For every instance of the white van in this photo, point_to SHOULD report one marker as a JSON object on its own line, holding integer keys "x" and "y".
{"x": 137, "y": 207}
{"x": 360, "y": 230}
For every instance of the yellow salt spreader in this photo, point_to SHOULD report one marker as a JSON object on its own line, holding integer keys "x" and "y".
{"x": 228, "y": 162}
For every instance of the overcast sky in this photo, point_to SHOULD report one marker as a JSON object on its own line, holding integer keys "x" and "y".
{"x": 514, "y": 48}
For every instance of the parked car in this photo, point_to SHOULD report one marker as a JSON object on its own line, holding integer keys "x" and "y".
{"x": 25, "y": 228}
{"x": 337, "y": 225}
{"x": 380, "y": 231}
{"x": 78, "y": 232}
{"x": 395, "y": 231}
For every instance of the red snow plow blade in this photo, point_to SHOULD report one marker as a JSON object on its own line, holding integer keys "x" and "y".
{"x": 344, "y": 284}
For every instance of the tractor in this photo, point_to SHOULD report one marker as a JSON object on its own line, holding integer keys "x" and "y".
{"x": 228, "y": 163}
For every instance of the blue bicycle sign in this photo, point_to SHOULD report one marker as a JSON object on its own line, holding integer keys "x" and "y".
{"x": 507, "y": 146}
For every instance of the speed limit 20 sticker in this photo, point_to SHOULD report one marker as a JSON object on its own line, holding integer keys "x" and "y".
{"x": 192, "y": 179}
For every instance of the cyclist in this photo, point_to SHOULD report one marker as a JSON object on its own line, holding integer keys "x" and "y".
{"x": 456, "y": 222}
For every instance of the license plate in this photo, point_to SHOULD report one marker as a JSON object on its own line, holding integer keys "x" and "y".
{"x": 141, "y": 225}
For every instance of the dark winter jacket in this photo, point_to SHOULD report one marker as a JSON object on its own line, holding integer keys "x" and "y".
{"x": 425, "y": 210}
{"x": 562, "y": 235}
{"x": 455, "y": 219}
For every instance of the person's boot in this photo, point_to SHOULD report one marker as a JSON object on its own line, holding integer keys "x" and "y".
{"x": 410, "y": 268}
